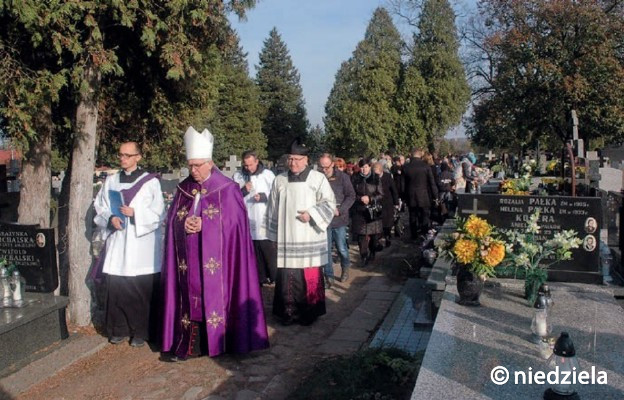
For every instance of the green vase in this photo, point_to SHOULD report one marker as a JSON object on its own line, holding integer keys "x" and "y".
{"x": 533, "y": 281}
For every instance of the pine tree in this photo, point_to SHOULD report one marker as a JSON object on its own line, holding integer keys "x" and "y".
{"x": 237, "y": 126}
{"x": 281, "y": 97}
{"x": 360, "y": 115}
{"x": 436, "y": 53}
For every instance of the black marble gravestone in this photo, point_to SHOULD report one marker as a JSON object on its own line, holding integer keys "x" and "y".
{"x": 557, "y": 213}
{"x": 33, "y": 251}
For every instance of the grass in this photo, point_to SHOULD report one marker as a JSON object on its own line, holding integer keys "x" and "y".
{"x": 381, "y": 374}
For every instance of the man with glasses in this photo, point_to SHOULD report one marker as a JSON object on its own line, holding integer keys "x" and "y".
{"x": 130, "y": 205}
{"x": 337, "y": 230}
{"x": 211, "y": 297}
{"x": 255, "y": 181}
{"x": 300, "y": 208}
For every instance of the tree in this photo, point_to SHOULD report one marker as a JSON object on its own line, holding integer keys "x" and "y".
{"x": 67, "y": 55}
{"x": 436, "y": 54}
{"x": 360, "y": 114}
{"x": 237, "y": 126}
{"x": 548, "y": 58}
{"x": 281, "y": 97}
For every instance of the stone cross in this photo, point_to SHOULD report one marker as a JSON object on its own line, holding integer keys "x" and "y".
{"x": 490, "y": 156}
{"x": 475, "y": 209}
{"x": 577, "y": 143}
{"x": 231, "y": 166}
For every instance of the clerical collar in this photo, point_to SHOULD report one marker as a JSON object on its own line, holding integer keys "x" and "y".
{"x": 258, "y": 171}
{"x": 129, "y": 177}
{"x": 301, "y": 177}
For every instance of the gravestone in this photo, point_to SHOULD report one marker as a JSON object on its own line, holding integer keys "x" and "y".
{"x": 583, "y": 214}
{"x": 231, "y": 166}
{"x": 490, "y": 156}
{"x": 33, "y": 251}
{"x": 184, "y": 172}
{"x": 4, "y": 184}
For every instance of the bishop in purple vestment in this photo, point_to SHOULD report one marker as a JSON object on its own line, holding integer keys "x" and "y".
{"x": 211, "y": 298}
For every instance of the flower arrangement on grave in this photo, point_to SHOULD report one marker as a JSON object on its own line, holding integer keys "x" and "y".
{"x": 525, "y": 251}
{"x": 476, "y": 249}
{"x": 553, "y": 167}
{"x": 514, "y": 187}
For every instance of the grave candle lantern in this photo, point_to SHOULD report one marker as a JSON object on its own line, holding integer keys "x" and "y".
{"x": 540, "y": 325}
{"x": 564, "y": 360}
{"x": 5, "y": 288}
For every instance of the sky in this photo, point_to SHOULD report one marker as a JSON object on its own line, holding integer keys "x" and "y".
{"x": 320, "y": 35}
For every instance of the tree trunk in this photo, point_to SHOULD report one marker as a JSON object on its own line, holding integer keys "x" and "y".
{"x": 79, "y": 223}
{"x": 34, "y": 206}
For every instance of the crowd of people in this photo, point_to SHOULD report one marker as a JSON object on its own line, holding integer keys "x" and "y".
{"x": 226, "y": 238}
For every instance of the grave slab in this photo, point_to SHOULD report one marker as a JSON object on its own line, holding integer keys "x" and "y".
{"x": 468, "y": 342}
{"x": 28, "y": 329}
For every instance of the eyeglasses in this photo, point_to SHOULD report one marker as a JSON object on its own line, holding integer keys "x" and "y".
{"x": 126, "y": 155}
{"x": 196, "y": 166}
{"x": 325, "y": 168}
{"x": 295, "y": 159}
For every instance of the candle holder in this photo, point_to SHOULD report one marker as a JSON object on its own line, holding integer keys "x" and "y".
{"x": 540, "y": 324}
{"x": 5, "y": 288}
{"x": 563, "y": 360}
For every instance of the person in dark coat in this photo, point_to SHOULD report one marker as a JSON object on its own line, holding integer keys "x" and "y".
{"x": 421, "y": 189}
{"x": 389, "y": 201}
{"x": 368, "y": 190}
{"x": 448, "y": 197}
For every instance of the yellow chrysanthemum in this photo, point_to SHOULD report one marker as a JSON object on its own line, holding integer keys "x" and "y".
{"x": 465, "y": 250}
{"x": 477, "y": 227}
{"x": 495, "y": 254}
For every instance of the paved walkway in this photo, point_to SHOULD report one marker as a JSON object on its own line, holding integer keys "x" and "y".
{"x": 354, "y": 312}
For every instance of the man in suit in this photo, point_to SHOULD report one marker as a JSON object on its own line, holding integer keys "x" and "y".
{"x": 421, "y": 189}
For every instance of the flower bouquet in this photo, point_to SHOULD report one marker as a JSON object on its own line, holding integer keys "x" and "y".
{"x": 534, "y": 257}
{"x": 476, "y": 249}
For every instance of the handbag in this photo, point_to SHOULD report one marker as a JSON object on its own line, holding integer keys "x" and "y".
{"x": 373, "y": 211}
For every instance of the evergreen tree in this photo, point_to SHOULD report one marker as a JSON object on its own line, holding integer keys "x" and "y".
{"x": 237, "y": 126}
{"x": 410, "y": 97}
{"x": 436, "y": 53}
{"x": 360, "y": 115}
{"x": 283, "y": 108}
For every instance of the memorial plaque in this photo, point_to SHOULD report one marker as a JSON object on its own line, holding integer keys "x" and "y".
{"x": 33, "y": 251}
{"x": 557, "y": 213}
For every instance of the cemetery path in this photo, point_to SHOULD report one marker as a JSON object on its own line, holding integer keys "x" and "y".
{"x": 123, "y": 372}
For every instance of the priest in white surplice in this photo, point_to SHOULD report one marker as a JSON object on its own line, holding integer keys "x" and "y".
{"x": 132, "y": 257}
{"x": 300, "y": 208}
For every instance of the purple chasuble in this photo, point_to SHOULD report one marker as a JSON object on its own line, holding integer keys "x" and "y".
{"x": 96, "y": 274}
{"x": 211, "y": 276}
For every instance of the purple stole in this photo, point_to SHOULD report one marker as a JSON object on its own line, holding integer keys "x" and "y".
{"x": 128, "y": 195}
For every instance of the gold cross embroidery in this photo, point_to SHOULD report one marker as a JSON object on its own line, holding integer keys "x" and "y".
{"x": 185, "y": 321}
{"x": 182, "y": 266}
{"x": 215, "y": 319}
{"x": 211, "y": 211}
{"x": 183, "y": 212}
{"x": 212, "y": 265}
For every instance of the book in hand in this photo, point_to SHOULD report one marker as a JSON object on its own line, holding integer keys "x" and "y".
{"x": 116, "y": 201}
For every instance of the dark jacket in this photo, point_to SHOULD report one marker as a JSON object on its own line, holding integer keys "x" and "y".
{"x": 420, "y": 184}
{"x": 345, "y": 197}
{"x": 399, "y": 180}
{"x": 389, "y": 200}
{"x": 372, "y": 188}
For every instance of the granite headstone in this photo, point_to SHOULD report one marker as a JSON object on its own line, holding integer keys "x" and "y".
{"x": 557, "y": 213}
{"x": 33, "y": 251}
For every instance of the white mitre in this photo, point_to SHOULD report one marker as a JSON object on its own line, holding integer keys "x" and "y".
{"x": 198, "y": 145}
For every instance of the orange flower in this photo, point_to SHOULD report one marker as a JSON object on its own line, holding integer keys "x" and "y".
{"x": 495, "y": 254}
{"x": 465, "y": 250}
{"x": 477, "y": 227}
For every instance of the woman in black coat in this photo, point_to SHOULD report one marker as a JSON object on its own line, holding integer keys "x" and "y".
{"x": 368, "y": 228}
{"x": 389, "y": 201}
